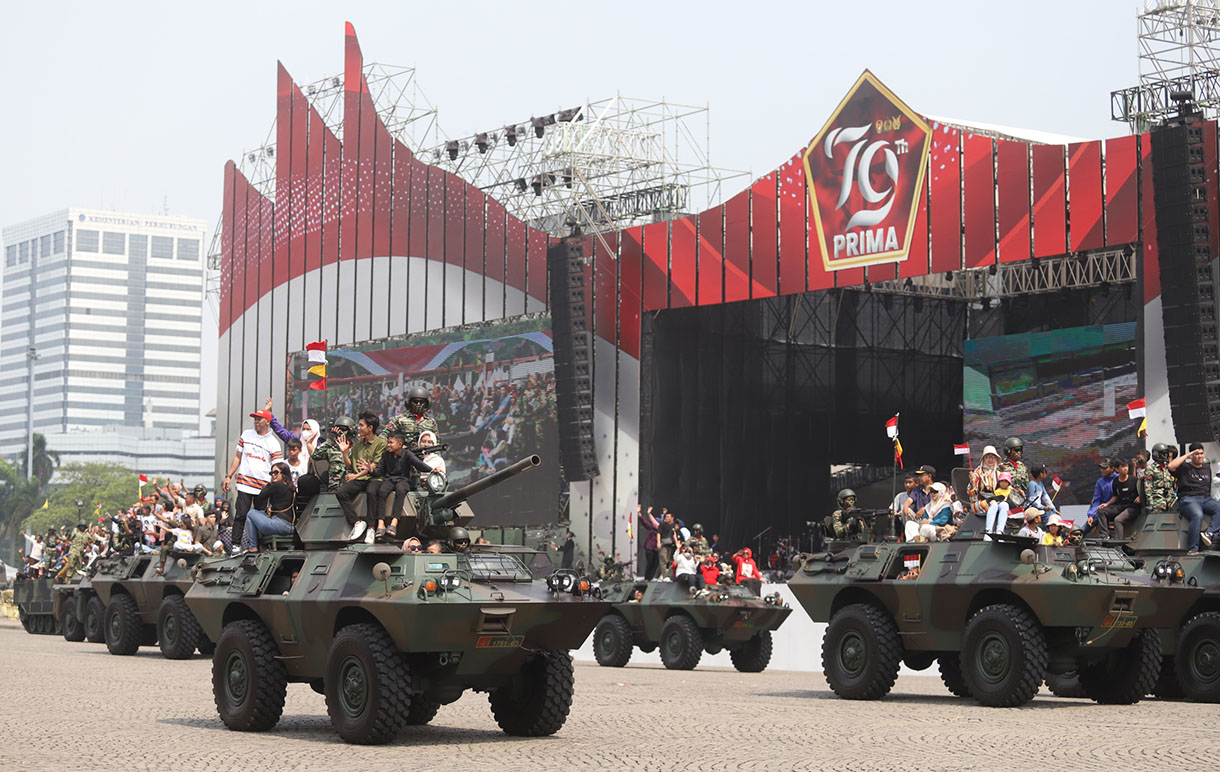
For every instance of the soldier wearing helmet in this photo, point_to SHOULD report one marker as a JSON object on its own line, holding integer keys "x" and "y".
{"x": 1160, "y": 491}
{"x": 342, "y": 432}
{"x": 844, "y": 524}
{"x": 459, "y": 539}
{"x": 418, "y": 417}
{"x": 697, "y": 543}
{"x": 1014, "y": 448}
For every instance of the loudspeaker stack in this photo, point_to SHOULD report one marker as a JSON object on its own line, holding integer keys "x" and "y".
{"x": 573, "y": 361}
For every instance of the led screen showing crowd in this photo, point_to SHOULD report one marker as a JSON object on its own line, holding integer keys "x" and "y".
{"x": 1064, "y": 392}
{"x": 493, "y": 397}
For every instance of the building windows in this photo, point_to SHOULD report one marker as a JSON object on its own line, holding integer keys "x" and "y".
{"x": 10, "y": 255}
{"x": 162, "y": 247}
{"x": 139, "y": 246}
{"x": 114, "y": 243}
{"x": 188, "y": 249}
{"x": 23, "y": 253}
{"x": 86, "y": 241}
{"x": 58, "y": 243}
{"x": 44, "y": 246}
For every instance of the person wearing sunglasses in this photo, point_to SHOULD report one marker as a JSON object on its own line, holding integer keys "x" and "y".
{"x": 273, "y": 508}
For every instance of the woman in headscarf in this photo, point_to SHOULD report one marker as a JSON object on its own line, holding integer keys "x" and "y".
{"x": 984, "y": 479}
{"x": 309, "y": 435}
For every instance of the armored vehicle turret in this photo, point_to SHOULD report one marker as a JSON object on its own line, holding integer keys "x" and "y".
{"x": 996, "y": 616}
{"x": 390, "y": 636}
{"x": 684, "y": 625}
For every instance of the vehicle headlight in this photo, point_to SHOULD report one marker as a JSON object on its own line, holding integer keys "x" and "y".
{"x": 1160, "y": 571}
{"x": 1072, "y": 572}
{"x": 435, "y": 481}
{"x": 563, "y": 580}
{"x": 450, "y": 582}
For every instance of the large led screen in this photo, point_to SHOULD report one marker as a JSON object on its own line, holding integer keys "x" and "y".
{"x": 1063, "y": 392}
{"x": 493, "y": 397}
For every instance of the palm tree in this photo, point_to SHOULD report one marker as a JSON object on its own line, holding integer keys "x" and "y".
{"x": 18, "y": 500}
{"x": 45, "y": 461}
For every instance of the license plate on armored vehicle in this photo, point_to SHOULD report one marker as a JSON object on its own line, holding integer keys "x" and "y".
{"x": 499, "y": 641}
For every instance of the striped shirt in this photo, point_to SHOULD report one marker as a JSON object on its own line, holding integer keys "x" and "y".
{"x": 258, "y": 452}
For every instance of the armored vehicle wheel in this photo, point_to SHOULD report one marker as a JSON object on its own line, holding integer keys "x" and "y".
{"x": 122, "y": 625}
{"x": 422, "y": 710}
{"x": 368, "y": 685}
{"x": 74, "y": 630}
{"x": 536, "y": 703}
{"x": 25, "y": 622}
{"x": 1065, "y": 685}
{"x": 1198, "y": 658}
{"x": 681, "y": 643}
{"x": 755, "y": 655}
{"x": 177, "y": 631}
{"x": 1003, "y": 656}
{"x": 1167, "y": 685}
{"x": 861, "y": 652}
{"x": 95, "y": 616}
{"x": 612, "y": 641}
{"x": 206, "y": 647}
{"x": 248, "y": 682}
{"x": 1124, "y": 677}
{"x": 918, "y": 660}
{"x": 950, "y": 666}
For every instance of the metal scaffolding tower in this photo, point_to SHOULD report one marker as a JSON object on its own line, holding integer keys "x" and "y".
{"x": 1179, "y": 53}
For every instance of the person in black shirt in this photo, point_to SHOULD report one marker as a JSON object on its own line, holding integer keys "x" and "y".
{"x": 1124, "y": 503}
{"x": 566, "y": 548}
{"x": 393, "y": 474}
{"x": 272, "y": 511}
{"x": 1194, "y": 478}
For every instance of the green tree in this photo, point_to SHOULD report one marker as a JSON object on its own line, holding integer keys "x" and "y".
{"x": 45, "y": 461}
{"x": 18, "y": 499}
{"x": 107, "y": 488}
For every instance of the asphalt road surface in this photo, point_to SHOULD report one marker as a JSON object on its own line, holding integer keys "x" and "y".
{"x": 70, "y": 706}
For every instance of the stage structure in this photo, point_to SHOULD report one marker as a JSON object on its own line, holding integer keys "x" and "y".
{"x": 360, "y": 239}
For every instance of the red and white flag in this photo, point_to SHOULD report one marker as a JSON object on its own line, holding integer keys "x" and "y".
{"x": 1056, "y": 483}
{"x": 1137, "y": 409}
{"x": 891, "y": 427}
{"x": 143, "y": 480}
{"x": 910, "y": 562}
{"x": 317, "y": 352}
{"x": 961, "y": 450}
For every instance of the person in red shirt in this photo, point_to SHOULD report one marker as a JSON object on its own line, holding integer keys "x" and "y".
{"x": 710, "y": 568}
{"x": 748, "y": 574}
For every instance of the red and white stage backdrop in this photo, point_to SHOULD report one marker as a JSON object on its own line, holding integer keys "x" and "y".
{"x": 363, "y": 240}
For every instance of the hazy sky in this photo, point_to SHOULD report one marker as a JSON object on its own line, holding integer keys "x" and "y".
{"x": 136, "y": 106}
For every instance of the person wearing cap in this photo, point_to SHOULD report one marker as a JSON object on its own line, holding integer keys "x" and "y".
{"x": 1033, "y": 525}
{"x": 998, "y": 503}
{"x": 933, "y": 516}
{"x": 1194, "y": 477}
{"x": 250, "y": 469}
{"x": 917, "y": 502}
{"x": 1054, "y": 531}
{"x": 983, "y": 480}
{"x": 1102, "y": 492}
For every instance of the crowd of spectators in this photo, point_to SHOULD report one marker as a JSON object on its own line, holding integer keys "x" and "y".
{"x": 674, "y": 552}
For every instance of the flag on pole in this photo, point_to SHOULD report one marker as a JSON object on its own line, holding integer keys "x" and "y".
{"x": 46, "y": 504}
{"x": 961, "y": 450}
{"x": 318, "y": 385}
{"x": 1056, "y": 483}
{"x": 317, "y": 361}
{"x": 1137, "y": 409}
{"x": 318, "y": 370}
{"x": 898, "y": 453}
{"x": 1143, "y": 430}
{"x": 143, "y": 480}
{"x": 891, "y": 427}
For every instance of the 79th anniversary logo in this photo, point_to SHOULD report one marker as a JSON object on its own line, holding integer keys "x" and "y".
{"x": 865, "y": 172}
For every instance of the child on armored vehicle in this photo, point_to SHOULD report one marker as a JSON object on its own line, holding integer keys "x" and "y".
{"x": 998, "y": 504}
{"x": 393, "y": 474}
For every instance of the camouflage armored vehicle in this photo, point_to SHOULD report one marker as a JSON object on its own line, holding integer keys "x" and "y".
{"x": 685, "y": 625}
{"x": 389, "y": 636}
{"x": 997, "y": 616}
{"x": 35, "y": 602}
{"x": 79, "y": 610}
{"x": 146, "y": 608}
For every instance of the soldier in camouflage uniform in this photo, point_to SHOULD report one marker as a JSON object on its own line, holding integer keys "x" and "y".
{"x": 609, "y": 571}
{"x": 76, "y": 554}
{"x": 417, "y": 418}
{"x": 844, "y": 524}
{"x": 329, "y": 452}
{"x": 697, "y": 543}
{"x": 1160, "y": 492}
{"x": 1014, "y": 448}
{"x": 128, "y": 536}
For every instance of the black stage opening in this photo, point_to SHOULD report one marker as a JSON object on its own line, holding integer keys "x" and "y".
{"x": 747, "y": 406}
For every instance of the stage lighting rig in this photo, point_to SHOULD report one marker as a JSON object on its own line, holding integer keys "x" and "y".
{"x": 539, "y": 125}
{"x": 510, "y": 136}
{"x": 480, "y": 141}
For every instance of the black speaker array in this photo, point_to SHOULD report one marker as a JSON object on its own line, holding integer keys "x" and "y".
{"x": 573, "y": 361}
{"x": 1188, "y": 270}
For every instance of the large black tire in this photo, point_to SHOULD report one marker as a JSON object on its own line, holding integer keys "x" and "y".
{"x": 368, "y": 685}
{"x": 1197, "y": 660}
{"x": 178, "y": 632}
{"x": 536, "y": 704}
{"x": 861, "y": 652}
{"x": 754, "y": 655}
{"x": 95, "y": 620}
{"x": 422, "y": 710}
{"x": 123, "y": 628}
{"x": 1124, "y": 677}
{"x": 248, "y": 682}
{"x": 681, "y": 643}
{"x": 1065, "y": 685}
{"x": 1168, "y": 687}
{"x": 1003, "y": 656}
{"x": 950, "y": 666}
{"x": 74, "y": 629}
{"x": 612, "y": 641}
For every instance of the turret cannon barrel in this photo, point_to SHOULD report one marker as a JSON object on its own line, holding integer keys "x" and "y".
{"x": 453, "y": 498}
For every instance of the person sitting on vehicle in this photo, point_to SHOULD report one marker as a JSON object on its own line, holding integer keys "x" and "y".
{"x": 428, "y": 439}
{"x": 1103, "y": 491}
{"x": 433, "y": 548}
{"x": 1033, "y": 525}
{"x": 747, "y": 570}
{"x": 637, "y": 595}
{"x": 459, "y": 540}
{"x": 272, "y": 512}
{"x": 1124, "y": 502}
{"x": 412, "y": 545}
{"x": 1036, "y": 496}
{"x": 983, "y": 480}
{"x": 686, "y": 570}
{"x": 710, "y": 568}
{"x": 997, "y": 509}
{"x": 393, "y": 474}
{"x": 1053, "y": 537}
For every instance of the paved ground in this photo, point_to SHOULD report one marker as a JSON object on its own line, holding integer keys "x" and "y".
{"x": 73, "y": 706}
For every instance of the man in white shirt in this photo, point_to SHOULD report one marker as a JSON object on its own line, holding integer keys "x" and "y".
{"x": 250, "y": 469}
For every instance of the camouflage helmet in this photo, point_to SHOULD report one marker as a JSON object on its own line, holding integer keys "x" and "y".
{"x": 419, "y": 392}
{"x": 1013, "y": 443}
{"x": 1161, "y": 452}
{"x": 846, "y": 493}
{"x": 346, "y": 422}
{"x": 697, "y": 529}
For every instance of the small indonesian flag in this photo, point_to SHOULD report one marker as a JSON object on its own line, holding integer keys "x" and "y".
{"x": 911, "y": 562}
{"x": 143, "y": 480}
{"x": 1056, "y": 483}
{"x": 318, "y": 385}
{"x": 318, "y": 370}
{"x": 1137, "y": 409}
{"x": 961, "y": 450}
{"x": 891, "y": 427}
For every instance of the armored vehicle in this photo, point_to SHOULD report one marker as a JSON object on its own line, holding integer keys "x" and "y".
{"x": 996, "y": 616}
{"x": 35, "y": 602}
{"x": 79, "y": 610}
{"x": 144, "y": 607}
{"x": 389, "y": 636}
{"x": 685, "y": 625}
